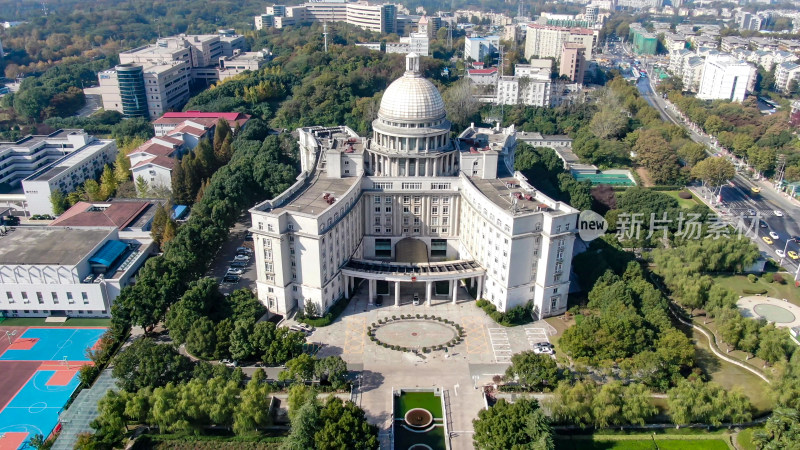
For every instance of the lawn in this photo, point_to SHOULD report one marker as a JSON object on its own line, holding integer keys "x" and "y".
{"x": 737, "y": 283}
{"x": 745, "y": 438}
{"x": 682, "y": 202}
{"x": 426, "y": 400}
{"x": 642, "y": 442}
{"x": 39, "y": 322}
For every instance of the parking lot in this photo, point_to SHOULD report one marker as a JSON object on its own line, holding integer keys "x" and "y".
{"x": 225, "y": 256}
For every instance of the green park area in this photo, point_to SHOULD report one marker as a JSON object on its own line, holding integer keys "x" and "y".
{"x": 425, "y": 400}
{"x": 657, "y": 439}
{"x": 742, "y": 286}
{"x": 683, "y": 202}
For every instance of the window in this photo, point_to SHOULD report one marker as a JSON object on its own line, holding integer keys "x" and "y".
{"x": 553, "y": 303}
{"x": 406, "y": 210}
{"x": 416, "y": 210}
{"x": 434, "y": 210}
{"x": 270, "y": 227}
{"x": 40, "y": 298}
{"x": 417, "y": 199}
{"x": 445, "y": 210}
{"x": 558, "y": 228}
{"x": 388, "y": 209}
{"x": 388, "y": 231}
{"x": 406, "y": 199}
{"x": 557, "y": 278}
{"x": 377, "y": 220}
{"x": 559, "y": 267}
{"x": 434, "y": 221}
{"x": 446, "y": 200}
{"x": 25, "y": 297}
{"x": 10, "y": 297}
{"x": 294, "y": 288}
{"x": 387, "y": 200}
{"x": 377, "y": 210}
{"x": 383, "y": 248}
{"x": 416, "y": 230}
{"x": 435, "y": 200}
{"x": 377, "y": 200}
{"x": 69, "y": 298}
{"x": 438, "y": 247}
{"x": 85, "y": 298}
{"x": 268, "y": 267}
{"x": 377, "y": 230}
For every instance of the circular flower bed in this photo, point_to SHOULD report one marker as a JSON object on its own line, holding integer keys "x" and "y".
{"x": 455, "y": 336}
{"x": 419, "y": 418}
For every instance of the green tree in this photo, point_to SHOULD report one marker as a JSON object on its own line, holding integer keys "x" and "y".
{"x": 142, "y": 188}
{"x": 306, "y": 422}
{"x": 782, "y": 431}
{"x": 691, "y": 153}
{"x": 344, "y": 425}
{"x": 572, "y": 403}
{"x": 331, "y": 369}
{"x": 714, "y": 172}
{"x": 608, "y": 122}
{"x": 532, "y": 370}
{"x": 637, "y": 405}
{"x": 160, "y": 219}
{"x": 108, "y": 182}
{"x": 252, "y": 411}
{"x": 93, "y": 191}
{"x": 146, "y": 363}
{"x": 300, "y": 368}
{"x": 521, "y": 424}
{"x": 59, "y": 202}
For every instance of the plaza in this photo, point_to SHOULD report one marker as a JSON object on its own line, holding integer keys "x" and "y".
{"x": 484, "y": 353}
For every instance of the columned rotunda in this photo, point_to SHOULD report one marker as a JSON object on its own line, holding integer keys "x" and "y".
{"x": 412, "y": 212}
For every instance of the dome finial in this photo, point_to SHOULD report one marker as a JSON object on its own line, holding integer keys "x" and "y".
{"x": 412, "y": 64}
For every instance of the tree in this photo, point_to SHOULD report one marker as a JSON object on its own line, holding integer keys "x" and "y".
{"x": 59, "y": 202}
{"x": 532, "y": 370}
{"x": 108, "y": 182}
{"x": 222, "y": 131}
{"x": 159, "y": 224}
{"x": 772, "y": 346}
{"x": 142, "y": 188}
{"x": 344, "y": 425}
{"x": 170, "y": 230}
{"x": 461, "y": 105}
{"x": 714, "y": 172}
{"x": 714, "y": 124}
{"x": 654, "y": 153}
{"x": 782, "y": 431}
{"x": 300, "y": 368}
{"x": 693, "y": 400}
{"x": 521, "y": 424}
{"x": 636, "y": 404}
{"x": 146, "y": 363}
{"x": 608, "y": 122}
{"x": 331, "y": 369}
{"x": 253, "y": 410}
{"x": 691, "y": 153}
{"x": 572, "y": 404}
{"x": 93, "y": 191}
{"x": 305, "y": 424}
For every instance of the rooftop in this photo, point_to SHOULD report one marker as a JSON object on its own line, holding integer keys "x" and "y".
{"x": 507, "y": 193}
{"x": 116, "y": 213}
{"x": 72, "y": 159}
{"x": 32, "y": 140}
{"x": 311, "y": 199}
{"x": 482, "y": 71}
{"x": 233, "y": 118}
{"x": 57, "y": 246}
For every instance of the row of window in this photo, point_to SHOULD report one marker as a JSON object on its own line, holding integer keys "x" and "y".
{"x": 40, "y": 298}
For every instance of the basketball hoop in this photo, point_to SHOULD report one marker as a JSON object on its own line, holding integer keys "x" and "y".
{"x": 65, "y": 362}
{"x": 9, "y": 334}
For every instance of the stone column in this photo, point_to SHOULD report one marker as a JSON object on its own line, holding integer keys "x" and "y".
{"x": 428, "y": 292}
{"x": 396, "y": 293}
{"x": 454, "y": 288}
{"x": 346, "y": 286}
{"x": 371, "y": 291}
{"x": 435, "y": 167}
{"x": 479, "y": 292}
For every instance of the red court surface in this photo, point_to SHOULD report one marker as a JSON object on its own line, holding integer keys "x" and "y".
{"x": 12, "y": 441}
{"x": 15, "y": 375}
{"x": 4, "y": 344}
{"x": 61, "y": 377}
{"x": 22, "y": 344}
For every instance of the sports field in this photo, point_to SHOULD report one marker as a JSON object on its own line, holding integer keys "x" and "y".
{"x": 38, "y": 374}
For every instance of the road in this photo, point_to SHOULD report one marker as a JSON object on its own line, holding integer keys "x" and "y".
{"x": 737, "y": 199}
{"x": 225, "y": 256}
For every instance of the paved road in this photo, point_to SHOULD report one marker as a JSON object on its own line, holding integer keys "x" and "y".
{"x": 225, "y": 256}
{"x": 737, "y": 198}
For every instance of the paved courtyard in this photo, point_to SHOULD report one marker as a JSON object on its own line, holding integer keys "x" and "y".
{"x": 485, "y": 352}
{"x": 780, "y": 312}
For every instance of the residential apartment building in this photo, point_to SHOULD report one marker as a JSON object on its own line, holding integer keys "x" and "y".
{"x": 674, "y": 42}
{"x": 483, "y": 77}
{"x": 732, "y": 43}
{"x": 642, "y": 41}
{"x": 530, "y": 85}
{"x": 380, "y": 18}
{"x": 572, "y": 62}
{"x": 726, "y": 78}
{"x": 73, "y": 272}
{"x": 409, "y": 211}
{"x": 477, "y": 48}
{"x": 749, "y": 21}
{"x": 785, "y": 74}
{"x": 418, "y": 43}
{"x": 62, "y": 160}
{"x": 546, "y": 41}
{"x": 639, "y": 4}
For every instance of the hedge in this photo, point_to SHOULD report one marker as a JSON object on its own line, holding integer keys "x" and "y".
{"x": 333, "y": 312}
{"x": 518, "y": 315}
{"x": 754, "y": 291}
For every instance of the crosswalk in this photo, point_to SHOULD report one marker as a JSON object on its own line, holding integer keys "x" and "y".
{"x": 501, "y": 347}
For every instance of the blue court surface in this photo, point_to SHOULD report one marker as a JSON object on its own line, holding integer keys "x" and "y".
{"x": 36, "y": 406}
{"x": 53, "y": 344}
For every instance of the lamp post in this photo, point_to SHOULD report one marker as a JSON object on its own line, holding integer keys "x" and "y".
{"x": 785, "y": 247}
{"x": 9, "y": 334}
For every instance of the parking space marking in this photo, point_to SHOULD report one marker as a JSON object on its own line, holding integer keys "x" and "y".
{"x": 476, "y": 339}
{"x": 354, "y": 335}
{"x": 535, "y": 334}
{"x": 501, "y": 347}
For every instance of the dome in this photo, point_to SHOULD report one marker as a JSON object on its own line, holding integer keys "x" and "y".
{"x": 412, "y": 97}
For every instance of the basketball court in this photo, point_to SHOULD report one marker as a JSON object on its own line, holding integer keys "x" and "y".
{"x": 38, "y": 374}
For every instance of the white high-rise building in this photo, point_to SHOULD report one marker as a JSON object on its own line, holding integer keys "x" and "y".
{"x": 531, "y": 85}
{"x": 409, "y": 212}
{"x": 546, "y": 41}
{"x": 726, "y": 78}
{"x": 478, "y": 48}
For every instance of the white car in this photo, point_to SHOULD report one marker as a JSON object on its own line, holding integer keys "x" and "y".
{"x": 780, "y": 253}
{"x": 778, "y": 213}
{"x": 241, "y": 258}
{"x": 773, "y": 235}
{"x": 235, "y": 271}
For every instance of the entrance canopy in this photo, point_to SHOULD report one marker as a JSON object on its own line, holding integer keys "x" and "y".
{"x": 397, "y": 271}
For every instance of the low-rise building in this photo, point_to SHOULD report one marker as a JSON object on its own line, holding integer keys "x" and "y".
{"x": 64, "y": 271}
{"x": 477, "y": 48}
{"x": 674, "y": 42}
{"x": 60, "y": 161}
{"x": 370, "y": 45}
{"x": 230, "y": 66}
{"x": 573, "y": 62}
{"x": 418, "y": 43}
{"x": 785, "y": 74}
{"x": 642, "y": 41}
{"x": 380, "y": 18}
{"x": 148, "y": 90}
{"x": 483, "y": 77}
{"x": 132, "y": 217}
{"x": 169, "y": 121}
{"x": 731, "y": 43}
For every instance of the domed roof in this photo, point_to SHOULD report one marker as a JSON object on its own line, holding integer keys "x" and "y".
{"x": 412, "y": 97}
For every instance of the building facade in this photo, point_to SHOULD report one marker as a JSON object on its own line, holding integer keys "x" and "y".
{"x": 418, "y": 43}
{"x": 380, "y": 18}
{"x": 726, "y": 78}
{"x": 74, "y": 272}
{"x": 547, "y": 41}
{"x": 477, "y": 48}
{"x": 572, "y": 63}
{"x": 531, "y": 85}
{"x": 411, "y": 211}
{"x": 59, "y": 161}
{"x": 785, "y": 74}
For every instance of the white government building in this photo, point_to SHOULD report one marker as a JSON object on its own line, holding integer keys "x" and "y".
{"x": 411, "y": 211}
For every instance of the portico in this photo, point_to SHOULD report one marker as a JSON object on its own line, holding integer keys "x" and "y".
{"x": 395, "y": 274}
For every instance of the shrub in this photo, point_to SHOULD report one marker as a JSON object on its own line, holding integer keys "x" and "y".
{"x": 778, "y": 278}
{"x": 481, "y": 303}
{"x": 752, "y": 278}
{"x": 333, "y": 312}
{"x": 768, "y": 277}
{"x": 394, "y": 317}
{"x": 686, "y": 195}
{"x": 754, "y": 291}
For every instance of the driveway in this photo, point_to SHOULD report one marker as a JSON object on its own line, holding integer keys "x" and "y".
{"x": 225, "y": 256}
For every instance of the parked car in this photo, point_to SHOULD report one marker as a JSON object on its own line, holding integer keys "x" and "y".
{"x": 234, "y": 271}
{"x": 763, "y": 224}
{"x": 306, "y": 327}
{"x": 244, "y": 251}
{"x": 773, "y": 235}
{"x": 231, "y": 278}
{"x": 416, "y": 299}
{"x": 244, "y": 258}
{"x": 379, "y": 300}
{"x": 298, "y": 329}
{"x": 793, "y": 254}
{"x": 239, "y": 264}
{"x": 248, "y": 236}
{"x": 751, "y": 212}
{"x": 543, "y": 349}
{"x": 780, "y": 253}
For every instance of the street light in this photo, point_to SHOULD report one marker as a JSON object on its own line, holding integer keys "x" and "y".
{"x": 9, "y": 334}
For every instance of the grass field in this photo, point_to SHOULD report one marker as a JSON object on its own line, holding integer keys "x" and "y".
{"x": 39, "y": 322}
{"x": 682, "y": 202}
{"x": 737, "y": 283}
{"x": 659, "y": 439}
{"x": 745, "y": 438}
